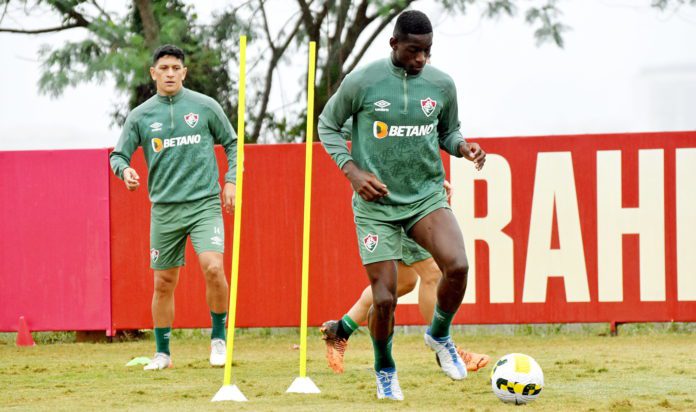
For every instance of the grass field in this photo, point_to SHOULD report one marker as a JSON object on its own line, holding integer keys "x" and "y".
{"x": 644, "y": 368}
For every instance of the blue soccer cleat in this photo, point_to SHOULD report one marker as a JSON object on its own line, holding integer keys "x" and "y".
{"x": 447, "y": 356}
{"x": 388, "y": 385}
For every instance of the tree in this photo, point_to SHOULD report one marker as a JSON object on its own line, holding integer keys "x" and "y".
{"x": 343, "y": 31}
{"x": 119, "y": 46}
{"x": 672, "y": 4}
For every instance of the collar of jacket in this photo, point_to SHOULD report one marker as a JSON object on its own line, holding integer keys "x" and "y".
{"x": 173, "y": 99}
{"x": 400, "y": 72}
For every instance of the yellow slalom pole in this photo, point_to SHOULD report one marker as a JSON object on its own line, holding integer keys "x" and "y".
{"x": 232, "y": 312}
{"x": 304, "y": 384}
{"x": 230, "y": 392}
{"x": 307, "y": 210}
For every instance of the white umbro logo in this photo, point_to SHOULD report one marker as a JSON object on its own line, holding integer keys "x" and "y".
{"x": 382, "y": 106}
{"x": 156, "y": 126}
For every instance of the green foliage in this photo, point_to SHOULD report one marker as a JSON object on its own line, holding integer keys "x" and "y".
{"x": 116, "y": 49}
{"x": 550, "y": 28}
{"x": 285, "y": 130}
{"x": 384, "y": 7}
{"x": 498, "y": 7}
{"x": 666, "y": 4}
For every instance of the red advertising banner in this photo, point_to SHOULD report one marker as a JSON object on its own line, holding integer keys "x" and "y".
{"x": 598, "y": 228}
{"x": 580, "y": 229}
{"x": 549, "y": 238}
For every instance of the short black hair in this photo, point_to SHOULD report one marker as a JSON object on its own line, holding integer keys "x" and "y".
{"x": 412, "y": 22}
{"x": 167, "y": 50}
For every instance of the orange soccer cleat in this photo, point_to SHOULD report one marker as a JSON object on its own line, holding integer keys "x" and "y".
{"x": 473, "y": 361}
{"x": 335, "y": 345}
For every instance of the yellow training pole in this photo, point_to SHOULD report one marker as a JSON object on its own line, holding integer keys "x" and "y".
{"x": 307, "y": 211}
{"x": 303, "y": 384}
{"x": 229, "y": 391}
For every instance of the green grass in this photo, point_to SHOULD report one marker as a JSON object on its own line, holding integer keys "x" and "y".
{"x": 647, "y": 369}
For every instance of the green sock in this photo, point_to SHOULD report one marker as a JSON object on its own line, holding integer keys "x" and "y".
{"x": 439, "y": 327}
{"x": 162, "y": 339}
{"x": 349, "y": 325}
{"x": 383, "y": 355}
{"x": 219, "y": 320}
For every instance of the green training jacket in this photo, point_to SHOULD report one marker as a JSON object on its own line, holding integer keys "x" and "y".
{"x": 400, "y": 122}
{"x": 177, "y": 134}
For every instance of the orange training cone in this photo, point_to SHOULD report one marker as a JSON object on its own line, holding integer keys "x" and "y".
{"x": 24, "y": 337}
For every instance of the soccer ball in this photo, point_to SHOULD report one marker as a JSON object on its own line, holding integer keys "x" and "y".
{"x": 517, "y": 378}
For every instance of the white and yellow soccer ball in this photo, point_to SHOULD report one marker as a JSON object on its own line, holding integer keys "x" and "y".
{"x": 517, "y": 378}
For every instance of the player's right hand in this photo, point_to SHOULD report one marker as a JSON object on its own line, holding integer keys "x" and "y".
{"x": 131, "y": 178}
{"x": 364, "y": 183}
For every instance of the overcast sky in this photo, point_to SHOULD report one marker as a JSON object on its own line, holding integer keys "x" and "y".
{"x": 625, "y": 68}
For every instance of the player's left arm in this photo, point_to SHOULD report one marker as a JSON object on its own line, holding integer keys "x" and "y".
{"x": 224, "y": 135}
{"x": 451, "y": 139}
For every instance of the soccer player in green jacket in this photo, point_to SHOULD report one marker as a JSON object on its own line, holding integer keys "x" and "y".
{"x": 177, "y": 129}
{"x": 403, "y": 112}
{"x": 415, "y": 263}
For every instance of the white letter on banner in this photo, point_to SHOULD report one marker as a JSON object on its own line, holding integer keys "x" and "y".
{"x": 647, "y": 220}
{"x": 554, "y": 182}
{"x": 686, "y": 224}
{"x": 497, "y": 175}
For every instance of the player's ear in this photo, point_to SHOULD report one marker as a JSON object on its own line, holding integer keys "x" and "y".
{"x": 393, "y": 42}
{"x": 184, "y": 71}
{"x": 152, "y": 73}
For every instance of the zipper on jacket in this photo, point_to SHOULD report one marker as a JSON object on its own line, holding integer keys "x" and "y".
{"x": 171, "y": 113}
{"x": 405, "y": 111}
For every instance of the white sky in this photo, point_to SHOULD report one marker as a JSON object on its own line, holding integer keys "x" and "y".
{"x": 625, "y": 68}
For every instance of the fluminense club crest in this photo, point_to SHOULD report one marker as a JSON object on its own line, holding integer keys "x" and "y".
{"x": 370, "y": 241}
{"x": 191, "y": 119}
{"x": 428, "y": 105}
{"x": 154, "y": 255}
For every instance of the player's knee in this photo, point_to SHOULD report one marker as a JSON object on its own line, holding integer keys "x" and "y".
{"x": 214, "y": 271}
{"x": 462, "y": 268}
{"x": 430, "y": 281}
{"x": 406, "y": 286}
{"x": 384, "y": 302}
{"x": 164, "y": 286}
{"x": 431, "y": 276}
{"x": 456, "y": 274}
{"x": 457, "y": 267}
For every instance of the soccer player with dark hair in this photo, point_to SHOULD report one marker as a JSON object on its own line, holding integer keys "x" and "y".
{"x": 403, "y": 112}
{"x": 177, "y": 129}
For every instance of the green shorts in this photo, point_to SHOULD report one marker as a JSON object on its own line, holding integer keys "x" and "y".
{"x": 412, "y": 252}
{"x": 172, "y": 223}
{"x": 383, "y": 239}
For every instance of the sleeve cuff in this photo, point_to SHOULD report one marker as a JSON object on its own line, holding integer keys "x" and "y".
{"x": 342, "y": 159}
{"x": 451, "y": 145}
